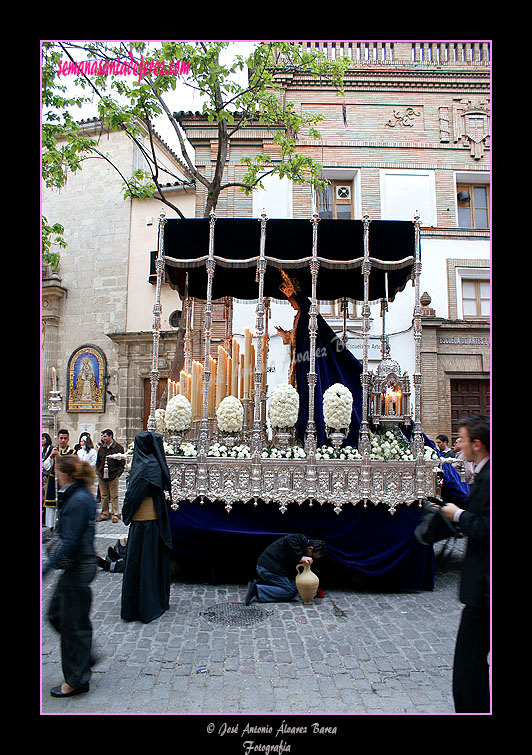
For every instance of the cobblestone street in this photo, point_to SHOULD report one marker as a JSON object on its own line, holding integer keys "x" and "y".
{"x": 352, "y": 652}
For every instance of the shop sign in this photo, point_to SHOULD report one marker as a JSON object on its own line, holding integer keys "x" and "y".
{"x": 464, "y": 340}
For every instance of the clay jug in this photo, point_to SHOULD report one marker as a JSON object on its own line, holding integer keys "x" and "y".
{"x": 306, "y": 583}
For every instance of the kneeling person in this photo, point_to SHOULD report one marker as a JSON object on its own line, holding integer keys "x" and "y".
{"x": 276, "y": 567}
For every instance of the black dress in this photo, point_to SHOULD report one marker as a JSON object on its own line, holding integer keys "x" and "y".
{"x": 146, "y": 580}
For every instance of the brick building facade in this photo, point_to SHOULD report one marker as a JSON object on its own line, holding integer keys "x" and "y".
{"x": 410, "y": 134}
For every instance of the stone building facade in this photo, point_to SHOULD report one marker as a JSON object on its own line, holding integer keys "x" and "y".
{"x": 101, "y": 297}
{"x": 409, "y": 135}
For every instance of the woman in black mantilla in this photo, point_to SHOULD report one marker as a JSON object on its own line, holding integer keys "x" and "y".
{"x": 146, "y": 581}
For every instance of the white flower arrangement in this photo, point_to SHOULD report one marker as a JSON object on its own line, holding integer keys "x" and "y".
{"x": 429, "y": 453}
{"x": 292, "y": 452}
{"x": 159, "y": 421}
{"x": 131, "y": 447}
{"x": 337, "y": 407}
{"x": 283, "y": 406}
{"x": 168, "y": 448}
{"x": 349, "y": 453}
{"x": 230, "y": 415}
{"x": 186, "y": 449}
{"x": 178, "y": 414}
{"x": 388, "y": 446}
{"x": 236, "y": 452}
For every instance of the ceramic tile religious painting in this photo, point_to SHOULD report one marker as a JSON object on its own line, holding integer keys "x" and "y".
{"x": 86, "y": 380}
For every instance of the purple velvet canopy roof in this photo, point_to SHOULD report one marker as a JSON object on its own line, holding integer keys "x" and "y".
{"x": 288, "y": 245}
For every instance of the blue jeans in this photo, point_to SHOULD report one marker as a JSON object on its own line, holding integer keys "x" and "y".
{"x": 274, "y": 588}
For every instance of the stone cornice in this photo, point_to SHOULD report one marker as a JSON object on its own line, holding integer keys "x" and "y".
{"x": 405, "y": 80}
{"x": 52, "y": 298}
{"x": 441, "y": 323}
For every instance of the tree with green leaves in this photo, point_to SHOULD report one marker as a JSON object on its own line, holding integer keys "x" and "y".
{"x": 133, "y": 102}
{"x": 131, "y": 84}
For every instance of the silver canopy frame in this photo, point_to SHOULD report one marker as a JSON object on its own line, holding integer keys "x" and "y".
{"x": 338, "y": 482}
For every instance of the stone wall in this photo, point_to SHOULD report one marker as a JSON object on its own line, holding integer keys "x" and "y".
{"x": 93, "y": 273}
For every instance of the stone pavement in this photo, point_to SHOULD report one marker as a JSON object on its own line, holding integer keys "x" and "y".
{"x": 353, "y": 652}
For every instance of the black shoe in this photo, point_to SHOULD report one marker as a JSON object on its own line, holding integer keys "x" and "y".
{"x": 112, "y": 554}
{"x": 56, "y": 691}
{"x": 120, "y": 549}
{"x": 102, "y": 563}
{"x": 252, "y": 593}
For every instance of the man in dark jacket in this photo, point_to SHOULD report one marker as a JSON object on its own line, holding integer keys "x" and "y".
{"x": 471, "y": 690}
{"x": 276, "y": 567}
{"x": 109, "y": 470}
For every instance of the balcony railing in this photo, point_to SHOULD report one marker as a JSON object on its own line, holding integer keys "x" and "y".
{"x": 428, "y": 53}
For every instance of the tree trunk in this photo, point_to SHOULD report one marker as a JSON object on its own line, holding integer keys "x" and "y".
{"x": 213, "y": 191}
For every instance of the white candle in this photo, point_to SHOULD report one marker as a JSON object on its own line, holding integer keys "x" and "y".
{"x": 388, "y": 401}
{"x": 197, "y": 392}
{"x": 54, "y": 379}
{"x": 235, "y": 356}
{"x": 264, "y": 361}
{"x": 221, "y": 380}
{"x": 247, "y": 361}
{"x": 252, "y": 372}
{"x": 212, "y": 387}
{"x": 183, "y": 382}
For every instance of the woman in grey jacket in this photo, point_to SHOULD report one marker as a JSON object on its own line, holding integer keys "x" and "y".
{"x": 74, "y": 554}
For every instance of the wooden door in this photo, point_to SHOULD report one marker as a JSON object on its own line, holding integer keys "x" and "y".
{"x": 468, "y": 397}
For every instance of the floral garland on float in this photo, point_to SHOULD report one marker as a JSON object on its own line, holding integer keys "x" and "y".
{"x": 389, "y": 446}
{"x": 221, "y": 450}
{"x": 347, "y": 453}
{"x": 292, "y": 452}
{"x": 385, "y": 446}
{"x": 183, "y": 449}
{"x": 170, "y": 449}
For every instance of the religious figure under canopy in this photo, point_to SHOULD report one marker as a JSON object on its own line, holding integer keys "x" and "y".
{"x": 334, "y": 364}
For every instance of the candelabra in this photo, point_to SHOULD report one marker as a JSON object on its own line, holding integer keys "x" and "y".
{"x": 54, "y": 407}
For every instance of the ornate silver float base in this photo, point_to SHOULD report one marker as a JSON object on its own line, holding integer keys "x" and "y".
{"x": 282, "y": 439}
{"x": 283, "y": 481}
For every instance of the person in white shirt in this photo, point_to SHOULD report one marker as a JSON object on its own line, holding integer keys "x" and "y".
{"x": 469, "y": 467}
{"x": 86, "y": 451}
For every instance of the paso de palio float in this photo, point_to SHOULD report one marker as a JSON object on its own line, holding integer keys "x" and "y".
{"x": 337, "y": 452}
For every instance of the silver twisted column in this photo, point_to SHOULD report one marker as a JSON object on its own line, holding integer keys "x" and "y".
{"x": 156, "y": 328}
{"x": 257, "y": 432}
{"x": 310, "y": 437}
{"x": 203, "y": 444}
